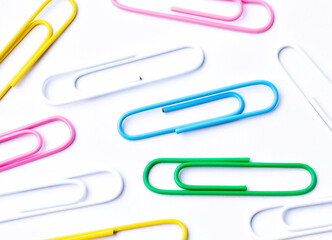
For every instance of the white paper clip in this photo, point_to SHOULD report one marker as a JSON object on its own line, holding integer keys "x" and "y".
{"x": 72, "y": 78}
{"x": 83, "y": 197}
{"x": 292, "y": 231}
{"x": 311, "y": 99}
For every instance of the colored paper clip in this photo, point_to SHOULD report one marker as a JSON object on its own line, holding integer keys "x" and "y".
{"x": 21, "y": 34}
{"x": 74, "y": 76}
{"x": 310, "y": 99}
{"x": 82, "y": 198}
{"x": 206, "y": 19}
{"x": 112, "y": 231}
{"x": 223, "y": 190}
{"x": 35, "y": 153}
{"x": 197, "y": 99}
{"x": 294, "y": 231}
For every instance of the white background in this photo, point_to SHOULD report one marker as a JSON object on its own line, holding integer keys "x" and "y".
{"x": 293, "y": 132}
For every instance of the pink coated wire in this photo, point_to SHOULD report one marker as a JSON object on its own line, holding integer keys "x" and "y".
{"x": 212, "y": 16}
{"x": 206, "y": 15}
{"x": 19, "y": 134}
{"x": 35, "y": 154}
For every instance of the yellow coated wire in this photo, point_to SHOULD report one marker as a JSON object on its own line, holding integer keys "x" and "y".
{"x": 19, "y": 36}
{"x": 112, "y": 231}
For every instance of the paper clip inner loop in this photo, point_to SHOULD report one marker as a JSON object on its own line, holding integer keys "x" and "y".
{"x": 47, "y": 42}
{"x": 82, "y": 198}
{"x": 74, "y": 76}
{"x": 294, "y": 231}
{"x": 111, "y": 231}
{"x": 289, "y": 207}
{"x": 196, "y": 99}
{"x": 19, "y": 134}
{"x": 82, "y": 191}
{"x": 36, "y": 153}
{"x": 223, "y": 190}
{"x": 206, "y": 18}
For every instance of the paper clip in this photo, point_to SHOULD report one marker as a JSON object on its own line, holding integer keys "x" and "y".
{"x": 310, "y": 99}
{"x": 294, "y": 231}
{"x": 21, "y": 34}
{"x": 74, "y": 76}
{"x": 111, "y": 231}
{"x": 35, "y": 153}
{"x": 82, "y": 198}
{"x": 223, "y": 190}
{"x": 197, "y": 99}
{"x": 206, "y": 19}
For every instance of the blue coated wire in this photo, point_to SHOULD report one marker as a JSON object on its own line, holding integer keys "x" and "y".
{"x": 200, "y": 98}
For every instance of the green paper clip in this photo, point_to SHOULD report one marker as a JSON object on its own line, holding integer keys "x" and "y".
{"x": 223, "y": 190}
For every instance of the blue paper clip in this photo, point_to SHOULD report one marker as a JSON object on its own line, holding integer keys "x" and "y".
{"x": 197, "y": 99}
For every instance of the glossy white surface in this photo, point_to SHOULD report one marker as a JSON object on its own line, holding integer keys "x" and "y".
{"x": 293, "y": 132}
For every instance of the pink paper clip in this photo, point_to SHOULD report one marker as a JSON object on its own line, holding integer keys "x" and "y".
{"x": 36, "y": 153}
{"x": 209, "y": 17}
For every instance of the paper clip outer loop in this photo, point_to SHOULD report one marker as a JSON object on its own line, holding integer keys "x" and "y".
{"x": 112, "y": 231}
{"x": 223, "y": 190}
{"x": 35, "y": 155}
{"x": 205, "y": 22}
{"x": 197, "y": 99}
{"x": 48, "y": 41}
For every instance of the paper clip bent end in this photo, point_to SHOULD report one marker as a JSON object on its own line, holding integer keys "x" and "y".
{"x": 119, "y": 183}
{"x": 21, "y": 34}
{"x": 253, "y": 233}
{"x": 112, "y": 231}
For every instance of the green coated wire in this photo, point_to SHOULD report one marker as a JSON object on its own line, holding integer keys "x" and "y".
{"x": 240, "y": 190}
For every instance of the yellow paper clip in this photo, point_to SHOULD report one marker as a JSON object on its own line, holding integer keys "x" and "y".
{"x": 111, "y": 231}
{"x": 21, "y": 34}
